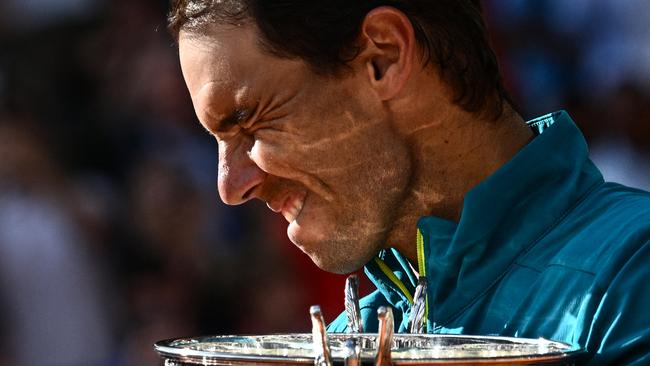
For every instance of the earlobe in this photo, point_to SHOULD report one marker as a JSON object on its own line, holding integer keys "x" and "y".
{"x": 389, "y": 51}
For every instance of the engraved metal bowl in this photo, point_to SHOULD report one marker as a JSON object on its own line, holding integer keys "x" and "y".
{"x": 407, "y": 349}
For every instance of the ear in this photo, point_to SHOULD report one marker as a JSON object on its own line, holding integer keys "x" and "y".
{"x": 389, "y": 50}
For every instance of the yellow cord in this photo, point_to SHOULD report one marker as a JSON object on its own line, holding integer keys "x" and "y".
{"x": 421, "y": 266}
{"x": 422, "y": 269}
{"x": 384, "y": 268}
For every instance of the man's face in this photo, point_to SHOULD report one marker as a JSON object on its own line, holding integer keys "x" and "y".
{"x": 321, "y": 151}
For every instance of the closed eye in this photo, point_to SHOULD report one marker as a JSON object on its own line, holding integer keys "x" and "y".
{"x": 233, "y": 119}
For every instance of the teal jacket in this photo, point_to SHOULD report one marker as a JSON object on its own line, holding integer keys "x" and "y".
{"x": 544, "y": 248}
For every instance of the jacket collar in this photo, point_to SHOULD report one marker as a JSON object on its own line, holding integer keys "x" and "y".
{"x": 502, "y": 217}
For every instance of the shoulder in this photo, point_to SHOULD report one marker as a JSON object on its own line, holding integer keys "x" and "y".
{"x": 620, "y": 330}
{"x": 617, "y": 198}
{"x": 602, "y": 231}
{"x": 615, "y": 205}
{"x": 607, "y": 237}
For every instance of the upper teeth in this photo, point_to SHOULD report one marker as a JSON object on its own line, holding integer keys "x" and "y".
{"x": 292, "y": 212}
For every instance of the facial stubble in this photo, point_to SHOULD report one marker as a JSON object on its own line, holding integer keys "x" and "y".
{"x": 362, "y": 226}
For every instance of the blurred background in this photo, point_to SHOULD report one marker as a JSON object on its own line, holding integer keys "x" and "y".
{"x": 112, "y": 235}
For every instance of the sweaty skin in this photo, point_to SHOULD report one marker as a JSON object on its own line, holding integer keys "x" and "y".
{"x": 353, "y": 161}
{"x": 307, "y": 147}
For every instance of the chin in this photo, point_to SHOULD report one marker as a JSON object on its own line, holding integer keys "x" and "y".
{"x": 332, "y": 246}
{"x": 319, "y": 254}
{"x": 332, "y": 256}
{"x": 336, "y": 267}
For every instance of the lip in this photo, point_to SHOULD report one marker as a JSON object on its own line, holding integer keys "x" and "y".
{"x": 291, "y": 207}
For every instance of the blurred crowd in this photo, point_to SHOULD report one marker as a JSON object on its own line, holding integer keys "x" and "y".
{"x": 112, "y": 235}
{"x": 590, "y": 57}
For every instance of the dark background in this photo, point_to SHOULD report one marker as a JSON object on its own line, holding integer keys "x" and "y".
{"x": 112, "y": 235}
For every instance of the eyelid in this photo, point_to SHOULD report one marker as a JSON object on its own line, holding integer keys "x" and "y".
{"x": 234, "y": 119}
{"x": 244, "y": 117}
{"x": 231, "y": 125}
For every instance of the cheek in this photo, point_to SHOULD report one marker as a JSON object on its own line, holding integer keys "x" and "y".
{"x": 275, "y": 154}
{"x": 377, "y": 167}
{"x": 295, "y": 157}
{"x": 342, "y": 155}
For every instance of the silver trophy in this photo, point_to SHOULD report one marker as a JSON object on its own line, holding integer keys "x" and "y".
{"x": 354, "y": 348}
{"x": 319, "y": 335}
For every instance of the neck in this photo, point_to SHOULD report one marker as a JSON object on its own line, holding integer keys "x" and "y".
{"x": 450, "y": 155}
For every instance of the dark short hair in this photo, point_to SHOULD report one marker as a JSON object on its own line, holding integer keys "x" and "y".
{"x": 451, "y": 34}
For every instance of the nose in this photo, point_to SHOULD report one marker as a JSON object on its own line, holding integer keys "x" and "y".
{"x": 238, "y": 175}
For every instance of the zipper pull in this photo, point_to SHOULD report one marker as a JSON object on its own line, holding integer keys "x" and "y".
{"x": 417, "y": 318}
{"x": 352, "y": 304}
